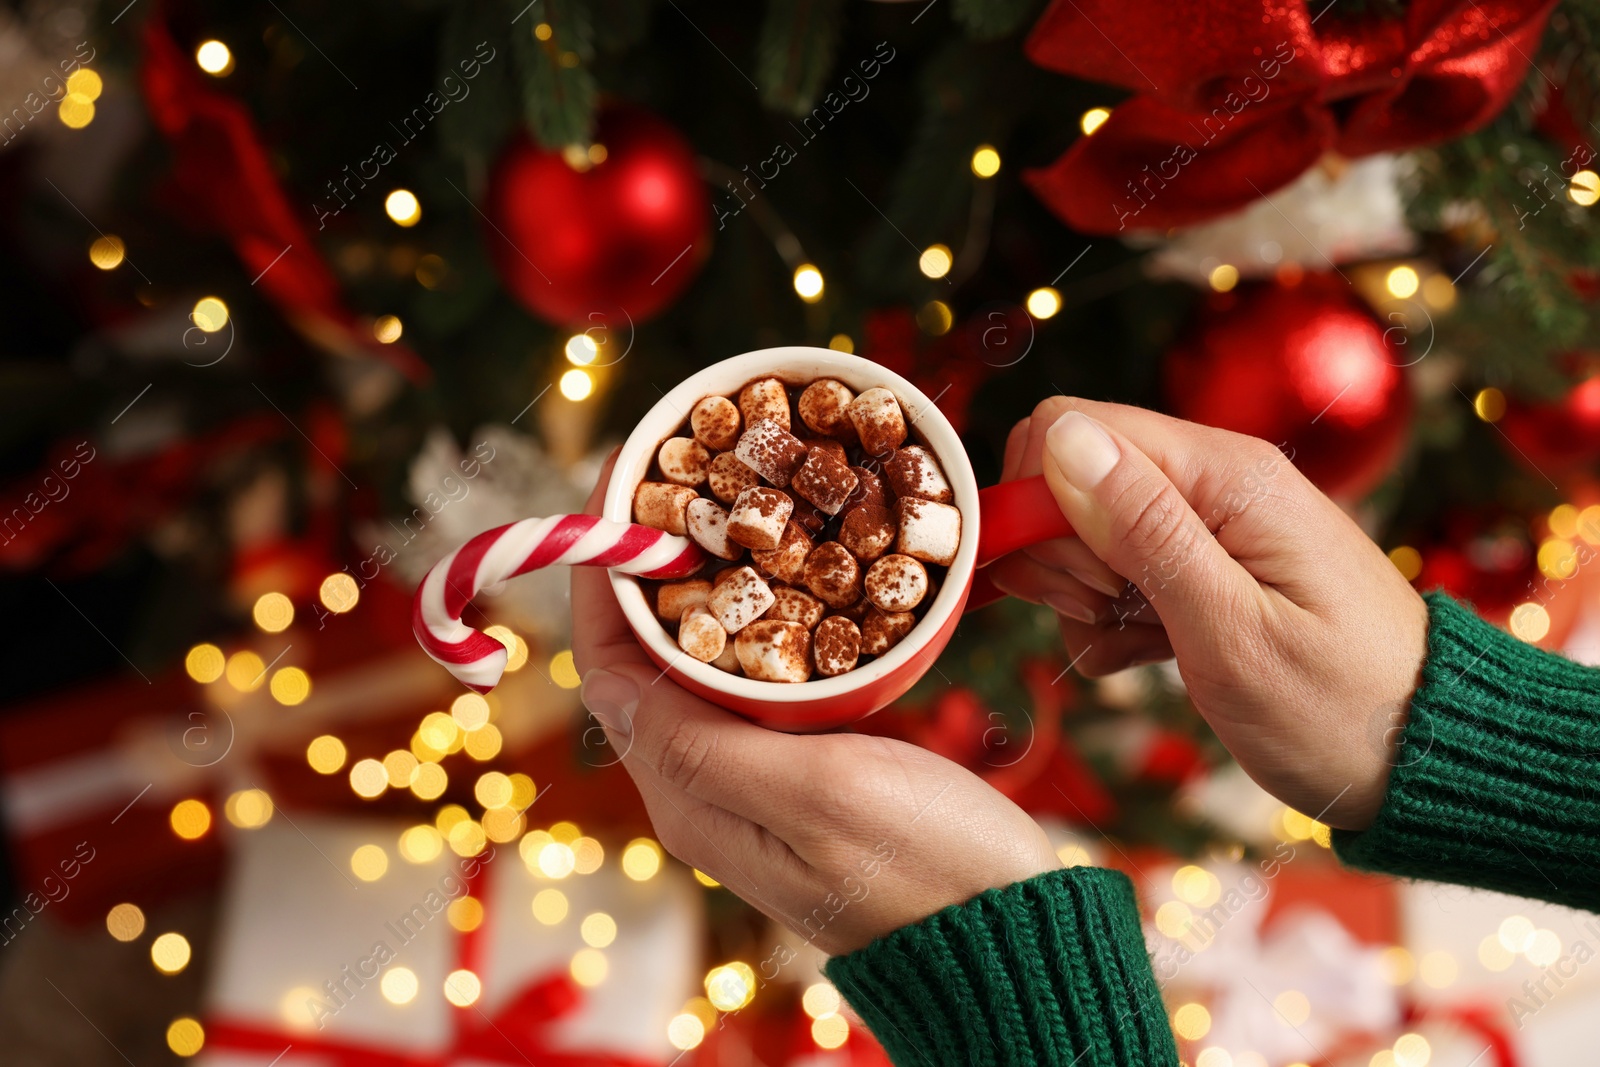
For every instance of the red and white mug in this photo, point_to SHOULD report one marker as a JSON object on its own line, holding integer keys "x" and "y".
{"x": 995, "y": 521}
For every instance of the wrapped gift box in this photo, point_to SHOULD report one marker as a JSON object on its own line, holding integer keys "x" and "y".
{"x": 299, "y": 974}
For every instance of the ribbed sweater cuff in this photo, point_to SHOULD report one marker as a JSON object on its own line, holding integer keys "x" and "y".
{"x": 1495, "y": 784}
{"x": 1052, "y": 970}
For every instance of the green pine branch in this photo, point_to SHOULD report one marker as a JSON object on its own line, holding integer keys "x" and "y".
{"x": 557, "y": 86}
{"x": 795, "y": 53}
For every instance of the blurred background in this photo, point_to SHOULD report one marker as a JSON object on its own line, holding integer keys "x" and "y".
{"x": 297, "y": 296}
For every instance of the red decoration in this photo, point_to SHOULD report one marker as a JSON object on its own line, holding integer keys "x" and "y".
{"x": 950, "y": 367}
{"x": 1029, "y": 761}
{"x": 223, "y": 179}
{"x": 626, "y": 234}
{"x": 1557, "y": 436}
{"x": 1239, "y": 96}
{"x": 1489, "y": 561}
{"x": 1306, "y": 367}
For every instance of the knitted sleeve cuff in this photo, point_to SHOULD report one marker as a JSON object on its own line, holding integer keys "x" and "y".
{"x": 1496, "y": 783}
{"x": 1052, "y": 970}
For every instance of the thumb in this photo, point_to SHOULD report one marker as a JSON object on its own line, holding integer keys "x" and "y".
{"x": 1133, "y": 517}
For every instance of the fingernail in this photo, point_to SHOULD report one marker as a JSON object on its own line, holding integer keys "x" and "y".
{"x": 1064, "y": 604}
{"x": 1084, "y": 452}
{"x": 611, "y": 698}
{"x": 1098, "y": 583}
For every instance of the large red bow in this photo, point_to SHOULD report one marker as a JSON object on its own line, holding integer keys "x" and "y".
{"x": 1238, "y": 97}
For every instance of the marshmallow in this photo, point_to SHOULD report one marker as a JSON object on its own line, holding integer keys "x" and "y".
{"x": 824, "y": 407}
{"x": 896, "y": 583}
{"x": 759, "y": 517}
{"x": 857, "y": 611}
{"x": 878, "y": 421}
{"x": 912, "y": 471}
{"x": 867, "y": 531}
{"x": 675, "y": 598}
{"x": 836, "y": 645}
{"x": 701, "y": 635}
{"x": 728, "y": 476}
{"x": 869, "y": 489}
{"x": 663, "y": 506}
{"x": 833, "y": 574}
{"x": 684, "y": 461}
{"x": 928, "y": 530}
{"x": 788, "y": 560}
{"x": 825, "y": 481}
{"x": 739, "y": 600}
{"x": 828, "y": 445}
{"x": 708, "y": 526}
{"x": 765, "y": 398}
{"x": 728, "y": 661}
{"x": 794, "y": 605}
{"x": 811, "y": 518}
{"x": 881, "y": 631}
{"x": 715, "y": 421}
{"x": 774, "y": 651}
{"x": 771, "y": 451}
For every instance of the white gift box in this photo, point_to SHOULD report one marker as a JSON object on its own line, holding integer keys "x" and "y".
{"x": 301, "y": 961}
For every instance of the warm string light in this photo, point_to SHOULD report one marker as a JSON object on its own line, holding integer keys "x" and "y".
{"x": 1224, "y": 277}
{"x": 125, "y": 922}
{"x": 403, "y": 208}
{"x": 170, "y": 953}
{"x": 1044, "y": 302}
{"x": 248, "y": 809}
{"x": 808, "y": 283}
{"x": 731, "y": 986}
{"x": 842, "y": 342}
{"x": 564, "y": 670}
{"x": 210, "y": 314}
{"x": 985, "y": 161}
{"x": 1093, "y": 119}
{"x": 214, "y": 58}
{"x": 76, "y": 109}
{"x": 107, "y": 252}
{"x": 1402, "y": 282}
{"x": 185, "y": 1036}
{"x": 386, "y": 329}
{"x": 1489, "y": 404}
{"x": 935, "y": 261}
{"x": 190, "y": 819}
{"x": 1584, "y": 189}
{"x": 576, "y": 384}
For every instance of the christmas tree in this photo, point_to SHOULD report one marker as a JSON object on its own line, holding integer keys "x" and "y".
{"x": 301, "y": 296}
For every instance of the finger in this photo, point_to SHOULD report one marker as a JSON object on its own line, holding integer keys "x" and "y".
{"x": 1027, "y": 579}
{"x": 1245, "y": 489}
{"x": 1071, "y": 555}
{"x": 1132, "y": 515}
{"x": 601, "y": 636}
{"x": 698, "y": 749}
{"x": 1096, "y": 651}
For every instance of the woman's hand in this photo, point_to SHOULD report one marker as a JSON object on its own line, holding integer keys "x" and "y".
{"x": 841, "y": 837}
{"x": 1300, "y": 642}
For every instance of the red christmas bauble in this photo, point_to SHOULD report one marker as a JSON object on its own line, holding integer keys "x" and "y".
{"x": 628, "y": 232}
{"x": 1558, "y": 435}
{"x": 1306, "y": 366}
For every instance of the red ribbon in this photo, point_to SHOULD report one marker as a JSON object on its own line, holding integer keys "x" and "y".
{"x": 225, "y": 181}
{"x": 513, "y": 1035}
{"x": 1239, "y": 97}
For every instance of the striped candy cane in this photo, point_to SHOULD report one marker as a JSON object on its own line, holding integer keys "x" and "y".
{"x": 489, "y": 559}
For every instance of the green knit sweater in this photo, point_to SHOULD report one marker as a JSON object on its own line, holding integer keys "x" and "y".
{"x": 1496, "y": 785}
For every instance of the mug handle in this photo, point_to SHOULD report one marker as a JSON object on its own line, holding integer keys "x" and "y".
{"x": 1012, "y": 515}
